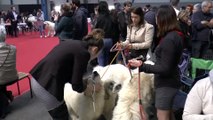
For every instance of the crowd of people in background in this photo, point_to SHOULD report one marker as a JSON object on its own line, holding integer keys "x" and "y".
{"x": 161, "y": 33}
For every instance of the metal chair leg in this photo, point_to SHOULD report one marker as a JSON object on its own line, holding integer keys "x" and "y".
{"x": 31, "y": 92}
{"x": 18, "y": 87}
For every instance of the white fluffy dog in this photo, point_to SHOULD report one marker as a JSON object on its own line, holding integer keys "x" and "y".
{"x": 32, "y": 18}
{"x": 50, "y": 26}
{"x": 80, "y": 107}
{"x": 127, "y": 107}
{"x": 113, "y": 77}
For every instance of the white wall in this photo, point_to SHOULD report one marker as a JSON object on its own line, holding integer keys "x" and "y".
{"x": 4, "y": 2}
{"x": 18, "y": 2}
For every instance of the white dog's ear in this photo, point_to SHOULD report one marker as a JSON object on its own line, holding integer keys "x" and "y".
{"x": 98, "y": 69}
{"x": 95, "y": 76}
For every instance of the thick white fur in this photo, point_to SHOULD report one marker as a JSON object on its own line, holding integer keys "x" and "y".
{"x": 127, "y": 107}
{"x": 50, "y": 26}
{"x": 80, "y": 107}
{"x": 32, "y": 18}
{"x": 114, "y": 74}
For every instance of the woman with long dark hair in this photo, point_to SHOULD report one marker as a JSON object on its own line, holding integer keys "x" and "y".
{"x": 105, "y": 22}
{"x": 168, "y": 53}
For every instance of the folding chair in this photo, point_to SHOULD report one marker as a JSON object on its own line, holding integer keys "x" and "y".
{"x": 200, "y": 64}
{"x": 21, "y": 76}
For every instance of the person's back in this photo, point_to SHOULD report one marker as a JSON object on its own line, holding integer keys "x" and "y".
{"x": 64, "y": 23}
{"x": 8, "y": 70}
{"x": 80, "y": 20}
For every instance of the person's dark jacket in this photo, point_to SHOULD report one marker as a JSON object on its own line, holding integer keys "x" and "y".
{"x": 123, "y": 21}
{"x": 11, "y": 17}
{"x": 80, "y": 23}
{"x": 63, "y": 64}
{"x": 186, "y": 30}
{"x": 200, "y": 31}
{"x": 105, "y": 22}
{"x": 168, "y": 54}
{"x": 64, "y": 26}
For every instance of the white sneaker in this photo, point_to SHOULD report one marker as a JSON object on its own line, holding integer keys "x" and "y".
{"x": 40, "y": 36}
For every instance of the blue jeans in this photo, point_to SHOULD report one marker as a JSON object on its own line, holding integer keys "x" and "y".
{"x": 41, "y": 30}
{"x": 104, "y": 56}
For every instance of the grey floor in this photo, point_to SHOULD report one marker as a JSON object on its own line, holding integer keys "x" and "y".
{"x": 25, "y": 108}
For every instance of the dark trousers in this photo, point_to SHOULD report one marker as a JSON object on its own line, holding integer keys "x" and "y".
{"x": 14, "y": 28}
{"x": 199, "y": 48}
{"x": 60, "y": 113}
{"x": 4, "y": 102}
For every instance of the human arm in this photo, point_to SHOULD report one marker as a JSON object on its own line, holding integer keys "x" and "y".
{"x": 168, "y": 54}
{"x": 79, "y": 67}
{"x": 197, "y": 21}
{"x": 169, "y": 51}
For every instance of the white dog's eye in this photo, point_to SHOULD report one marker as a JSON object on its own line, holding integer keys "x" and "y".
{"x": 118, "y": 87}
{"x": 111, "y": 85}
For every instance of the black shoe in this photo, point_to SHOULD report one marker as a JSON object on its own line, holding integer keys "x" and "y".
{"x": 60, "y": 113}
{"x": 9, "y": 95}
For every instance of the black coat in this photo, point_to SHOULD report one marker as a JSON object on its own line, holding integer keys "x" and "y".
{"x": 123, "y": 22}
{"x": 168, "y": 54}
{"x": 64, "y": 27}
{"x": 200, "y": 31}
{"x": 67, "y": 62}
{"x": 80, "y": 23}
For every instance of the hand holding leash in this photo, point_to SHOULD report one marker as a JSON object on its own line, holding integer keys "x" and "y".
{"x": 136, "y": 62}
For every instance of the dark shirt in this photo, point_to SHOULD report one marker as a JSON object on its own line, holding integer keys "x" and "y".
{"x": 168, "y": 53}
{"x": 201, "y": 32}
{"x": 123, "y": 21}
{"x": 150, "y": 18}
{"x": 105, "y": 22}
{"x": 80, "y": 23}
{"x": 67, "y": 62}
{"x": 186, "y": 30}
{"x": 64, "y": 27}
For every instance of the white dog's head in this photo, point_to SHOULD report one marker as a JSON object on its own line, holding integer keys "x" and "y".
{"x": 113, "y": 77}
{"x": 92, "y": 78}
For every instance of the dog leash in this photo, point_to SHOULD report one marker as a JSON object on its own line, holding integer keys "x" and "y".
{"x": 142, "y": 112}
{"x": 93, "y": 96}
{"x": 141, "y": 109}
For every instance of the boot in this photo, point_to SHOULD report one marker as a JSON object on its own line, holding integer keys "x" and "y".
{"x": 60, "y": 113}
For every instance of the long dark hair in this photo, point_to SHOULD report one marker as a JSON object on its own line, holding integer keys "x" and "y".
{"x": 103, "y": 8}
{"x": 138, "y": 11}
{"x": 166, "y": 20}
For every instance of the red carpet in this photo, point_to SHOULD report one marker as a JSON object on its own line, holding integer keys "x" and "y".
{"x": 30, "y": 49}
